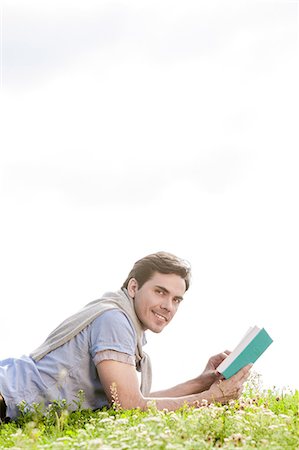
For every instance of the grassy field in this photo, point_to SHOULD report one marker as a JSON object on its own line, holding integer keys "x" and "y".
{"x": 264, "y": 420}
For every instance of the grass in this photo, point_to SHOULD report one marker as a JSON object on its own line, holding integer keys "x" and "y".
{"x": 260, "y": 420}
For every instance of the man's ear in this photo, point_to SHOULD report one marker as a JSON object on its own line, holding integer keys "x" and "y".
{"x": 132, "y": 287}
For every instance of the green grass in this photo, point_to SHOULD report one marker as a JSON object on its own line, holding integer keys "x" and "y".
{"x": 260, "y": 420}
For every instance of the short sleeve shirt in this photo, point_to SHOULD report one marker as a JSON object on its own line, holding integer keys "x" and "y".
{"x": 70, "y": 368}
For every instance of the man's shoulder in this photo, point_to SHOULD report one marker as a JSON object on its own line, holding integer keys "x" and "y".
{"x": 112, "y": 330}
{"x": 113, "y": 319}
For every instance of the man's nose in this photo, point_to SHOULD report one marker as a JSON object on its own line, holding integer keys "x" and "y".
{"x": 166, "y": 304}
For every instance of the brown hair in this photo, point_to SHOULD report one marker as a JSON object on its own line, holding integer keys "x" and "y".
{"x": 161, "y": 262}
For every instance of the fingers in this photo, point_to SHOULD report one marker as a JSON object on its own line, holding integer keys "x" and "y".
{"x": 218, "y": 375}
{"x": 220, "y": 357}
{"x": 243, "y": 374}
{"x": 233, "y": 387}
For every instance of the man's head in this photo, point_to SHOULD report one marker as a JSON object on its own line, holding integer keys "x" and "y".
{"x": 161, "y": 262}
{"x": 157, "y": 284}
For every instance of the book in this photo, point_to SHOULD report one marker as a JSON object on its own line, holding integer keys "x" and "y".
{"x": 253, "y": 344}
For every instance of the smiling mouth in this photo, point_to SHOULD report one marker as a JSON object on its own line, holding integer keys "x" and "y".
{"x": 160, "y": 317}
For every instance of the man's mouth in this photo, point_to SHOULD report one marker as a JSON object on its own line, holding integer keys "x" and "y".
{"x": 160, "y": 317}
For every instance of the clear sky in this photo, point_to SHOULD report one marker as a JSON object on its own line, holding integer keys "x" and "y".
{"x": 129, "y": 127}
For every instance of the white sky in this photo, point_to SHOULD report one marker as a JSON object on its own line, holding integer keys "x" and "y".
{"x": 136, "y": 126}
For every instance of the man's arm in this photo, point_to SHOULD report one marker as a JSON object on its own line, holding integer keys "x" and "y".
{"x": 194, "y": 386}
{"x": 199, "y": 384}
{"x": 124, "y": 378}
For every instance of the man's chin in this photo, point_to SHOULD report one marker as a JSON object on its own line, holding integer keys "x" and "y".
{"x": 157, "y": 329}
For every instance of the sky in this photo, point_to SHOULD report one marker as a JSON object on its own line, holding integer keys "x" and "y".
{"x": 130, "y": 127}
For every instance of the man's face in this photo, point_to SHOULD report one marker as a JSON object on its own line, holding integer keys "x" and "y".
{"x": 157, "y": 301}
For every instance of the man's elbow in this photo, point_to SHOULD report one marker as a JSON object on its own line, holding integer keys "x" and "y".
{"x": 132, "y": 401}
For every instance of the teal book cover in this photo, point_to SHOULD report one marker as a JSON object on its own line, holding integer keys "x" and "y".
{"x": 250, "y": 353}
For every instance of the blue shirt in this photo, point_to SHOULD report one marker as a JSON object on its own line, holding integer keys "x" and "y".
{"x": 70, "y": 368}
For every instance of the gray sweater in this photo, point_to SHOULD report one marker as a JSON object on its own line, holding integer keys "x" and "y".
{"x": 75, "y": 323}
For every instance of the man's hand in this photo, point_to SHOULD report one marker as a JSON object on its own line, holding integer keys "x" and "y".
{"x": 224, "y": 390}
{"x": 215, "y": 360}
{"x": 210, "y": 374}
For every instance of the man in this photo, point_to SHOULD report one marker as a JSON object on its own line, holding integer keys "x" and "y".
{"x": 98, "y": 350}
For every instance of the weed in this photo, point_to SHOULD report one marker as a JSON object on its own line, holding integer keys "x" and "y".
{"x": 259, "y": 419}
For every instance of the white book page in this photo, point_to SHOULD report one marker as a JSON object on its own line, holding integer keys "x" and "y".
{"x": 251, "y": 333}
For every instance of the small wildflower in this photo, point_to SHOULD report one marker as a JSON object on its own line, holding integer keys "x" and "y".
{"x": 107, "y": 419}
{"x": 285, "y": 417}
{"x": 273, "y": 427}
{"x": 238, "y": 438}
{"x": 204, "y": 402}
{"x": 152, "y": 419}
{"x": 95, "y": 443}
{"x": 122, "y": 421}
{"x": 114, "y": 397}
{"x": 64, "y": 438}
